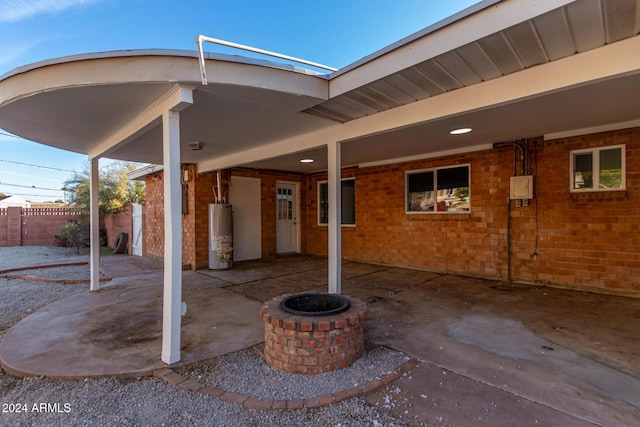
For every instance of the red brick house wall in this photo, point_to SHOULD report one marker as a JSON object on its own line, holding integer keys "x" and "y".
{"x": 153, "y": 218}
{"x": 196, "y": 225}
{"x": 153, "y": 214}
{"x": 577, "y": 240}
{"x": 268, "y": 181}
{"x": 588, "y": 239}
{"x": 585, "y": 241}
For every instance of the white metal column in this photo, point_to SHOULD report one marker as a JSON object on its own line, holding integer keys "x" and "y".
{"x": 94, "y": 221}
{"x": 335, "y": 218}
{"x": 172, "y": 302}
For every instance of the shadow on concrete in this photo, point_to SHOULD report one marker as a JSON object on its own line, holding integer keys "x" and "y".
{"x": 492, "y": 353}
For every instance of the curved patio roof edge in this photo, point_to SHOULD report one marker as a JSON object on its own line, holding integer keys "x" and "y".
{"x": 179, "y": 53}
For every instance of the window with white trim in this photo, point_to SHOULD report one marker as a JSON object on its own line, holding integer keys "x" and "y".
{"x": 598, "y": 169}
{"x": 347, "y": 198}
{"x": 438, "y": 190}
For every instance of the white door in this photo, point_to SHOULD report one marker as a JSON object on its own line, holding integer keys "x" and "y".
{"x": 136, "y": 229}
{"x": 286, "y": 218}
{"x": 245, "y": 199}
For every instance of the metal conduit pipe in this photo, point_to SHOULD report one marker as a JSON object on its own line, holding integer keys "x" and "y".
{"x": 200, "y": 39}
{"x": 523, "y": 146}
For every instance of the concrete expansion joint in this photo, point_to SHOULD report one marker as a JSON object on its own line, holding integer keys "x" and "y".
{"x": 249, "y": 402}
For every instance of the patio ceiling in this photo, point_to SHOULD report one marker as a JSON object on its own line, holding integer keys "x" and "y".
{"x": 505, "y": 70}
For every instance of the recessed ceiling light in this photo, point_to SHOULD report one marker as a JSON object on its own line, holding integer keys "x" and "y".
{"x": 460, "y": 131}
{"x": 306, "y": 161}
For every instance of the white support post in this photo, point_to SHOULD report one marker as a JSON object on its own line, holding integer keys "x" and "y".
{"x": 94, "y": 221}
{"x": 335, "y": 217}
{"x": 172, "y": 302}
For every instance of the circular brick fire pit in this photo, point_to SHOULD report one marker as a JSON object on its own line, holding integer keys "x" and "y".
{"x": 313, "y": 333}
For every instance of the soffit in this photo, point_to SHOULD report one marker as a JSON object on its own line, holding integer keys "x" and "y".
{"x": 576, "y": 27}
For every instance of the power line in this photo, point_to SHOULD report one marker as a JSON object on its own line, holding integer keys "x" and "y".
{"x": 32, "y": 176}
{"x": 37, "y": 166}
{"x": 30, "y": 186}
{"x": 25, "y": 194}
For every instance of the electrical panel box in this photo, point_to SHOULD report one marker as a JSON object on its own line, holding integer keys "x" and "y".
{"x": 521, "y": 187}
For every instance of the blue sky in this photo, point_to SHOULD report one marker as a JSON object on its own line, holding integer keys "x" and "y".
{"x": 332, "y": 32}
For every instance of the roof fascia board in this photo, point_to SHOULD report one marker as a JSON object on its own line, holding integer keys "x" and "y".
{"x": 598, "y": 64}
{"x": 470, "y": 25}
{"x": 141, "y": 173}
{"x": 176, "y": 53}
{"x": 176, "y": 99}
{"x": 444, "y": 153}
{"x": 591, "y": 130}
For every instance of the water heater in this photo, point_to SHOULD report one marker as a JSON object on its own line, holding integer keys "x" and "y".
{"x": 220, "y": 236}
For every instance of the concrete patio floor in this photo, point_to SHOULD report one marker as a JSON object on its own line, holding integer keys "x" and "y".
{"x": 503, "y": 354}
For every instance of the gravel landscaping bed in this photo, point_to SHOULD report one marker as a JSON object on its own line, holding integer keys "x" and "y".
{"x": 27, "y": 256}
{"x": 150, "y": 401}
{"x": 247, "y": 373}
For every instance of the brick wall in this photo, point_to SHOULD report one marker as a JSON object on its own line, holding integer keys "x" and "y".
{"x": 268, "y": 182}
{"x": 153, "y": 218}
{"x": 4, "y": 218}
{"x": 586, "y": 241}
{"x": 119, "y": 223}
{"x": 32, "y": 227}
{"x": 153, "y": 224}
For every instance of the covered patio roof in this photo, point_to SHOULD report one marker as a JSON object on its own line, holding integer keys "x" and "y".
{"x": 505, "y": 70}
{"x": 508, "y": 69}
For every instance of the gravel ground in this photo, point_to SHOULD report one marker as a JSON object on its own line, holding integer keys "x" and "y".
{"x": 247, "y": 373}
{"x": 150, "y": 401}
{"x": 27, "y": 256}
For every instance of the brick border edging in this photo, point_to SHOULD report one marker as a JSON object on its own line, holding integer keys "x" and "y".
{"x": 173, "y": 378}
{"x": 3, "y": 274}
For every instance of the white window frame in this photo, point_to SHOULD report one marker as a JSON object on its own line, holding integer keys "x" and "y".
{"x": 325, "y": 224}
{"x": 435, "y": 183}
{"x": 596, "y": 169}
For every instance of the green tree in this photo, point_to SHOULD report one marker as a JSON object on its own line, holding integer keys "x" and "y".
{"x": 115, "y": 190}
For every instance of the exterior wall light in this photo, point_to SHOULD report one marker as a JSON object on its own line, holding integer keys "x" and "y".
{"x": 307, "y": 161}
{"x": 460, "y": 131}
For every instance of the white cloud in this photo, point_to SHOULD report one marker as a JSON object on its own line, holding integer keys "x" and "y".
{"x": 16, "y": 10}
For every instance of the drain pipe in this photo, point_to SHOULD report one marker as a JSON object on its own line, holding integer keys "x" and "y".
{"x": 508, "y": 240}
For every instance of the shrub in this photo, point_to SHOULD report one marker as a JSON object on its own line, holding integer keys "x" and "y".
{"x": 74, "y": 234}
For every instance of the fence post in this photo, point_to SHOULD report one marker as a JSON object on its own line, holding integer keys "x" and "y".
{"x": 14, "y": 226}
